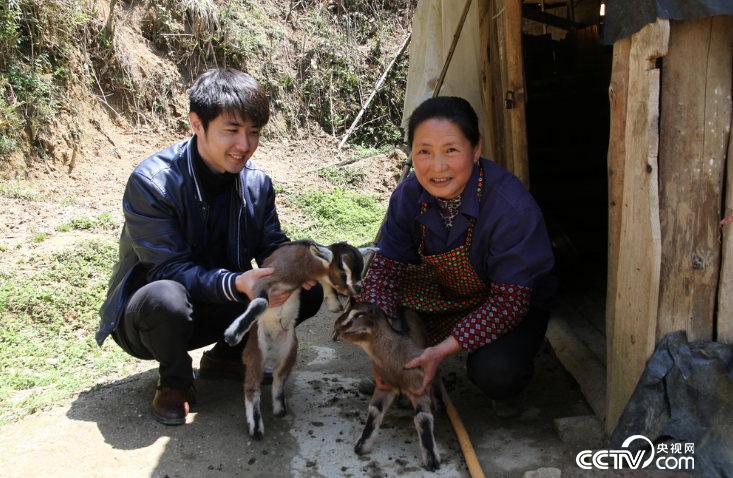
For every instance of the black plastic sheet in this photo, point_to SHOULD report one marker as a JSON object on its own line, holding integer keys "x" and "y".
{"x": 625, "y": 17}
{"x": 685, "y": 395}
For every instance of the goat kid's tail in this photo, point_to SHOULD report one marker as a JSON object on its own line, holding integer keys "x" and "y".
{"x": 241, "y": 325}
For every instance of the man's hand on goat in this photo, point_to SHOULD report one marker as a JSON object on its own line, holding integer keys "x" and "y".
{"x": 245, "y": 282}
{"x": 430, "y": 359}
{"x": 278, "y": 297}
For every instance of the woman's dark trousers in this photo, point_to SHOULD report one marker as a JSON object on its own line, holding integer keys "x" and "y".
{"x": 503, "y": 368}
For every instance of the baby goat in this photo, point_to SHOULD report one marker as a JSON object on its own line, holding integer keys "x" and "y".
{"x": 390, "y": 345}
{"x": 337, "y": 267}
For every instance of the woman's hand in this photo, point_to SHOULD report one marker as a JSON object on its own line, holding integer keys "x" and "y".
{"x": 430, "y": 359}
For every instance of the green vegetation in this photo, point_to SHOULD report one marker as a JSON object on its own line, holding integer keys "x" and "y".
{"x": 338, "y": 72}
{"x": 342, "y": 176}
{"x": 339, "y": 215}
{"x": 102, "y": 222}
{"x": 38, "y": 43}
{"x": 40, "y": 237}
{"x": 47, "y": 324}
{"x": 17, "y": 190}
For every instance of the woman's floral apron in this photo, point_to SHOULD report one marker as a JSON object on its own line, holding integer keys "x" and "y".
{"x": 444, "y": 287}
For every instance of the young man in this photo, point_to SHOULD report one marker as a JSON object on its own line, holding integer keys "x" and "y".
{"x": 196, "y": 214}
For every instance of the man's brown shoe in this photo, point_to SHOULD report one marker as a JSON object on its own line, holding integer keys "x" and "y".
{"x": 170, "y": 406}
{"x": 213, "y": 367}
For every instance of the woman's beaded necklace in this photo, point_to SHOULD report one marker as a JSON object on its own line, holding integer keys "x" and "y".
{"x": 449, "y": 209}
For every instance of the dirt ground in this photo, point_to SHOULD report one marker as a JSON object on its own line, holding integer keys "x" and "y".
{"x": 108, "y": 432}
{"x": 106, "y": 158}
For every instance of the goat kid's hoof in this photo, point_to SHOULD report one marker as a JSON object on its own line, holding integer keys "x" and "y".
{"x": 433, "y": 464}
{"x": 361, "y": 449}
{"x": 280, "y": 413}
{"x": 256, "y": 431}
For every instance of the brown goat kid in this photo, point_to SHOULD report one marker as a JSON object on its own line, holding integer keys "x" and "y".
{"x": 390, "y": 345}
{"x": 337, "y": 268}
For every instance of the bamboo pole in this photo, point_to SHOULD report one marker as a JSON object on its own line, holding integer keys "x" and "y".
{"x": 448, "y": 59}
{"x": 474, "y": 466}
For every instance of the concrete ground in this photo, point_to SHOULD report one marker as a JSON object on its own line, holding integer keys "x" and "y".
{"x": 108, "y": 432}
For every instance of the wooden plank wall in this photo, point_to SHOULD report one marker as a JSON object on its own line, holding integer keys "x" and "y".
{"x": 694, "y": 130}
{"x": 724, "y": 326}
{"x": 516, "y": 116}
{"x": 637, "y": 277}
{"x": 501, "y": 32}
{"x": 498, "y": 82}
{"x": 485, "y": 32}
{"x": 617, "y": 93}
{"x": 725, "y": 287}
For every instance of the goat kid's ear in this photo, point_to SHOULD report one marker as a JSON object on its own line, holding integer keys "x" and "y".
{"x": 359, "y": 326}
{"x": 322, "y": 253}
{"x": 367, "y": 252}
{"x": 398, "y": 324}
{"x": 345, "y": 314}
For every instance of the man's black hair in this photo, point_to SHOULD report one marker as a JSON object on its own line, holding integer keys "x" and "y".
{"x": 226, "y": 90}
{"x": 452, "y": 108}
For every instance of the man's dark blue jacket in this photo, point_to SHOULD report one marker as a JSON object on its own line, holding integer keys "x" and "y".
{"x": 165, "y": 234}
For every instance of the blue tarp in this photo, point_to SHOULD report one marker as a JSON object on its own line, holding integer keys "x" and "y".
{"x": 685, "y": 395}
{"x": 626, "y": 17}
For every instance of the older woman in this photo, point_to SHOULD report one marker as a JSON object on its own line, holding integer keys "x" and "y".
{"x": 465, "y": 245}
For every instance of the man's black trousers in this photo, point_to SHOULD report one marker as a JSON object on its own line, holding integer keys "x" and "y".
{"x": 161, "y": 322}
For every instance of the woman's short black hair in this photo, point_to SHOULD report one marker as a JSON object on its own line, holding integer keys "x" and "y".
{"x": 452, "y": 108}
{"x": 226, "y": 90}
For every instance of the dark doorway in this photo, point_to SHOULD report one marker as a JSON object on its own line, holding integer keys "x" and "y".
{"x": 567, "y": 77}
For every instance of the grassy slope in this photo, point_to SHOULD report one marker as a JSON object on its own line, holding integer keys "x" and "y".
{"x": 47, "y": 323}
{"x": 49, "y": 302}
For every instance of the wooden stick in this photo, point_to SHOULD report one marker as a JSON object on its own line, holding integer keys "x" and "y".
{"x": 474, "y": 466}
{"x": 374, "y": 92}
{"x": 456, "y": 36}
{"x": 109, "y": 24}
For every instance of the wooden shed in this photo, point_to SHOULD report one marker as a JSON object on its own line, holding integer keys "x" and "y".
{"x": 618, "y": 119}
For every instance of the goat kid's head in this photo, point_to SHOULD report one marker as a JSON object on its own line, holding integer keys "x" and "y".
{"x": 358, "y": 323}
{"x": 346, "y": 268}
